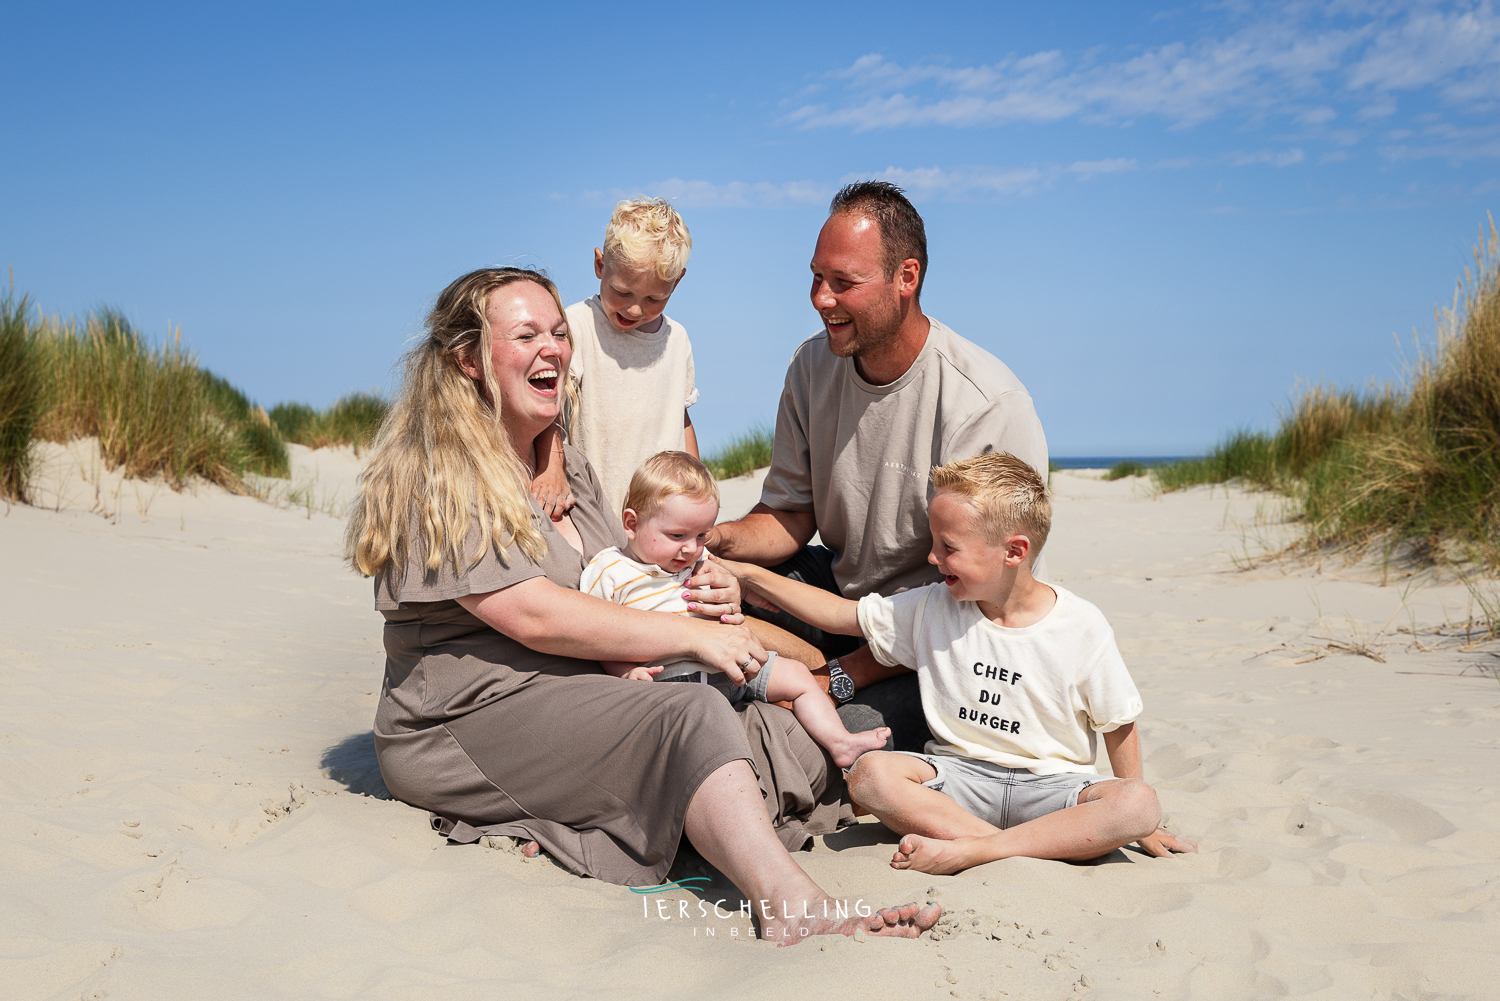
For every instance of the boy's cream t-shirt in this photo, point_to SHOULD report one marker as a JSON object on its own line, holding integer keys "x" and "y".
{"x": 1025, "y": 698}
{"x": 633, "y": 389}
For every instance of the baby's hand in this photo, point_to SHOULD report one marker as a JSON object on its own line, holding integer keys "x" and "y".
{"x": 641, "y": 674}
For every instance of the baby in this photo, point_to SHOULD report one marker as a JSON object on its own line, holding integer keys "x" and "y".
{"x": 671, "y": 504}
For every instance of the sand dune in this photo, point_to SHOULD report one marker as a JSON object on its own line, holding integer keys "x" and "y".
{"x": 189, "y": 805}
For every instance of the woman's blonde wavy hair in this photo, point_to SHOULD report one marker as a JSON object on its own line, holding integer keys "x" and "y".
{"x": 442, "y": 455}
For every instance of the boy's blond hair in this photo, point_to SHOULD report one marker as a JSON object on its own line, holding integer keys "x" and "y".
{"x": 647, "y": 233}
{"x": 665, "y": 474}
{"x": 1008, "y": 495}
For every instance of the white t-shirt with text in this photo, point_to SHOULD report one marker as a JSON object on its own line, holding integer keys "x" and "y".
{"x": 1032, "y": 697}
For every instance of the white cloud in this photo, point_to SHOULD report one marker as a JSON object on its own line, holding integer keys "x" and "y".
{"x": 1296, "y": 59}
{"x": 1447, "y": 142}
{"x": 922, "y": 183}
{"x": 708, "y": 194}
{"x": 739, "y": 194}
{"x": 1285, "y": 158}
{"x": 1088, "y": 168}
{"x": 931, "y": 183}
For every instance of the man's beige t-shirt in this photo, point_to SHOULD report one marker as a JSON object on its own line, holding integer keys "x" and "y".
{"x": 858, "y": 455}
{"x": 633, "y": 389}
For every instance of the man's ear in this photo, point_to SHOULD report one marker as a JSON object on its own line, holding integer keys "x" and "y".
{"x": 908, "y": 277}
{"x": 630, "y": 522}
{"x": 1017, "y": 548}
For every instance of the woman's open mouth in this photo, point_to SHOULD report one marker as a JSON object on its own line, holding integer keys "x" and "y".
{"x": 544, "y": 381}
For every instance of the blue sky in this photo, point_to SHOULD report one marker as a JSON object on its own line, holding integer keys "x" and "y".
{"x": 1162, "y": 217}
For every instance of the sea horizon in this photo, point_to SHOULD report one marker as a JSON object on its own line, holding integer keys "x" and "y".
{"x": 1108, "y": 461}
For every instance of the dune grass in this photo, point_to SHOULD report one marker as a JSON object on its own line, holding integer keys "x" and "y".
{"x": 153, "y": 409}
{"x": 21, "y": 384}
{"x": 1124, "y": 468}
{"x": 1416, "y": 464}
{"x": 742, "y": 454}
{"x": 352, "y": 420}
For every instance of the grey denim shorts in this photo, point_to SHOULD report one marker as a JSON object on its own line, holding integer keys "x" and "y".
{"x": 1003, "y": 796}
{"x": 753, "y": 690}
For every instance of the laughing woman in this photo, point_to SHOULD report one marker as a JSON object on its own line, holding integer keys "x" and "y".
{"x": 495, "y": 714}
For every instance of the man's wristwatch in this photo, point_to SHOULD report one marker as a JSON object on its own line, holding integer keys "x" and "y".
{"x": 840, "y": 685}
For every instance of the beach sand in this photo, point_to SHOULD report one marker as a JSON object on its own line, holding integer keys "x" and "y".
{"x": 190, "y": 807}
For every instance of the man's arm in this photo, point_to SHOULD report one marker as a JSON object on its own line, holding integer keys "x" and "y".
{"x": 764, "y": 537}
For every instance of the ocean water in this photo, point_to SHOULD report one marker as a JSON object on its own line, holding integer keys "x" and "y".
{"x": 1106, "y": 461}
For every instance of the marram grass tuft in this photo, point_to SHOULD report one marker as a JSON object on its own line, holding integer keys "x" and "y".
{"x": 152, "y": 408}
{"x": 21, "y": 398}
{"x": 1416, "y": 465}
{"x": 353, "y": 420}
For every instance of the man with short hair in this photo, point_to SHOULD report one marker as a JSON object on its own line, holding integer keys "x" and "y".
{"x": 870, "y": 405}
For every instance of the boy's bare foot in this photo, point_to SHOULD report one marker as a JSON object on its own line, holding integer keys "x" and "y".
{"x": 906, "y": 921}
{"x": 934, "y": 855}
{"x": 846, "y": 751}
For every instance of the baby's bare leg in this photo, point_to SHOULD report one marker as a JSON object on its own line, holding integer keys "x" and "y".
{"x": 792, "y": 682}
{"x": 1109, "y": 815}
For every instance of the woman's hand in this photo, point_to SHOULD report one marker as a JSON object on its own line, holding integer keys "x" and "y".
{"x": 743, "y": 574}
{"x": 714, "y": 593}
{"x": 730, "y": 650}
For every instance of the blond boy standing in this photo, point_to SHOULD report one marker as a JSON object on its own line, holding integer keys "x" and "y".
{"x": 632, "y": 364}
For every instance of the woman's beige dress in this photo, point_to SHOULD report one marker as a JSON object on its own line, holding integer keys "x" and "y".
{"x": 495, "y": 738}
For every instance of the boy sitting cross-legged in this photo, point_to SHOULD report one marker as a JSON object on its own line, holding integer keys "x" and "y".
{"x": 1017, "y": 676}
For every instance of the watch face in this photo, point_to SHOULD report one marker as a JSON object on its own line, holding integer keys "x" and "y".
{"x": 841, "y": 686}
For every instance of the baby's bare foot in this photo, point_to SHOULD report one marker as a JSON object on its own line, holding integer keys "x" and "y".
{"x": 906, "y": 921}
{"x": 847, "y": 750}
{"x": 934, "y": 855}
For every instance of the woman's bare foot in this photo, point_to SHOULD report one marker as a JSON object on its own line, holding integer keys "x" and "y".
{"x": 906, "y": 921}
{"x": 934, "y": 855}
{"x": 846, "y": 750}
